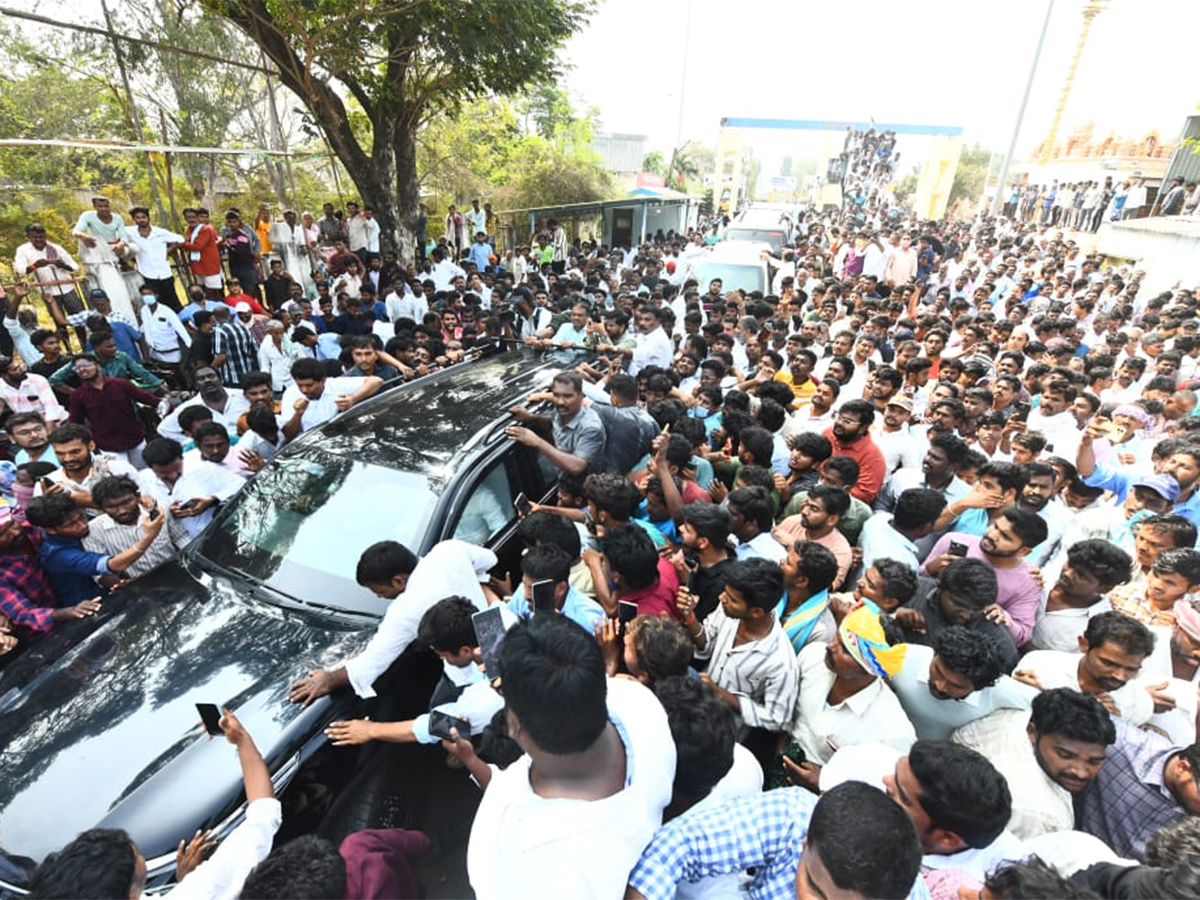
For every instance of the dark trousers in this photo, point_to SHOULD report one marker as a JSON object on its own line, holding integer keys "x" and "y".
{"x": 164, "y": 289}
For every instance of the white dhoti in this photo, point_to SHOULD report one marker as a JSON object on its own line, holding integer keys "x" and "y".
{"x": 102, "y": 265}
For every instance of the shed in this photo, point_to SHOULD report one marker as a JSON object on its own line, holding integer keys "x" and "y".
{"x": 616, "y": 223}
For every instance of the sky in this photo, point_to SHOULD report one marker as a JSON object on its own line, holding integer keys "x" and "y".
{"x": 935, "y": 62}
{"x": 931, "y": 62}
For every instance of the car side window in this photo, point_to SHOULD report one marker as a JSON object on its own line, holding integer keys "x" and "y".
{"x": 488, "y": 508}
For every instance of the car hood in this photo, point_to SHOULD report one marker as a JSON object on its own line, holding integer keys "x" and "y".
{"x": 98, "y": 724}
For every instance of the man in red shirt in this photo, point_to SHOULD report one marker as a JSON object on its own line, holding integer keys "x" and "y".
{"x": 204, "y": 256}
{"x": 640, "y": 575}
{"x": 237, "y": 295}
{"x": 850, "y": 437}
{"x": 106, "y": 407}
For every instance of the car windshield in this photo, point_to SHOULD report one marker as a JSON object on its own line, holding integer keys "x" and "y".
{"x": 773, "y": 236}
{"x": 748, "y": 277}
{"x": 300, "y": 526}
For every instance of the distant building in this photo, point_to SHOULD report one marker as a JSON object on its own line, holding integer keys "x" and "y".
{"x": 622, "y": 155}
{"x": 1085, "y": 156}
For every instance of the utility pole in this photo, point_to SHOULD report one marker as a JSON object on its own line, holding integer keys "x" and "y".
{"x": 687, "y": 42}
{"x": 135, "y": 118}
{"x": 1012, "y": 142}
{"x": 1090, "y": 11}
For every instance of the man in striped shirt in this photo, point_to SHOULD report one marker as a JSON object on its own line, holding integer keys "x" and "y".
{"x": 118, "y": 529}
{"x": 752, "y": 665}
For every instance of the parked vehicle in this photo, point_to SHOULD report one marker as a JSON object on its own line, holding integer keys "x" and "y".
{"x": 738, "y": 264}
{"x": 97, "y": 720}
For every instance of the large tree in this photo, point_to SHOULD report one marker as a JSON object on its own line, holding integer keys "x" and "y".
{"x": 401, "y": 61}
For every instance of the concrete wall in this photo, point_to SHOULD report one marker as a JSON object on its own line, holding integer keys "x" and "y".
{"x": 1168, "y": 249}
{"x": 937, "y": 176}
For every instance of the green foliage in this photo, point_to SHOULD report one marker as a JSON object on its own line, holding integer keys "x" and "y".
{"x": 654, "y": 163}
{"x": 483, "y": 153}
{"x": 905, "y": 187}
{"x": 971, "y": 174}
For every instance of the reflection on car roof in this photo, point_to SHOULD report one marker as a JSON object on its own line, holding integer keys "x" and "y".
{"x": 428, "y": 422}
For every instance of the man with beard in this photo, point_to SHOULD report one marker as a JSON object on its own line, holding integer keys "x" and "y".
{"x": 1048, "y": 757}
{"x": 23, "y": 392}
{"x": 106, "y": 405}
{"x": 49, "y": 263}
{"x": 73, "y": 570}
{"x": 843, "y": 699}
{"x": 1113, "y": 648}
{"x": 962, "y": 665}
{"x": 27, "y": 599}
{"x": 1037, "y": 496}
{"x": 225, "y": 407}
{"x": 945, "y": 454}
{"x": 1003, "y": 546}
{"x": 850, "y": 437}
{"x": 118, "y": 529}
{"x": 818, "y": 414}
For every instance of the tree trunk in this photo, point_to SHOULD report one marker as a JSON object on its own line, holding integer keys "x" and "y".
{"x": 408, "y": 193}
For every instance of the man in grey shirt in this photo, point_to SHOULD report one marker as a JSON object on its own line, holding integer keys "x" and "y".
{"x": 578, "y": 435}
{"x": 628, "y": 428}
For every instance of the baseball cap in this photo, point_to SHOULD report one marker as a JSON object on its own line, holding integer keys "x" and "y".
{"x": 1165, "y": 485}
{"x": 97, "y": 294}
{"x": 242, "y": 306}
{"x": 905, "y": 403}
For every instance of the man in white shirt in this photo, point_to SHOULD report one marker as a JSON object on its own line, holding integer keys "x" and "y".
{"x": 73, "y": 872}
{"x": 392, "y": 572}
{"x": 1112, "y": 650}
{"x": 444, "y": 271}
{"x": 191, "y": 492}
{"x": 654, "y": 347}
{"x": 844, "y": 699}
{"x": 49, "y": 263}
{"x": 225, "y": 407}
{"x": 356, "y": 230}
{"x": 153, "y": 259}
{"x": 1046, "y": 757}
{"x": 571, "y": 817}
{"x": 313, "y": 398}
{"x": 161, "y": 328}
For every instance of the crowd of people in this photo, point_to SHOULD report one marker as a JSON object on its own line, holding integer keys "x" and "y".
{"x": 1086, "y": 205}
{"x": 882, "y": 585}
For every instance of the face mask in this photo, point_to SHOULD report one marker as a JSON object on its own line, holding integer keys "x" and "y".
{"x": 149, "y": 299}
{"x": 700, "y": 412}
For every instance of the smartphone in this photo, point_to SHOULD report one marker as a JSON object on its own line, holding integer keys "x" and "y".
{"x": 692, "y": 561}
{"x": 210, "y": 716}
{"x": 489, "y": 632}
{"x": 440, "y": 724}
{"x": 190, "y": 504}
{"x": 626, "y": 611}
{"x": 522, "y": 504}
{"x": 153, "y": 514}
{"x": 543, "y": 596}
{"x": 47, "y": 483}
{"x": 957, "y": 548}
{"x": 1021, "y": 411}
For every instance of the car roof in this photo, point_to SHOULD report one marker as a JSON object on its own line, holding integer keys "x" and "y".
{"x": 425, "y": 425}
{"x": 738, "y": 251}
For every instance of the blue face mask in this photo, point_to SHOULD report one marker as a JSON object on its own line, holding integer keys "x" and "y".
{"x": 700, "y": 412}
{"x": 149, "y": 299}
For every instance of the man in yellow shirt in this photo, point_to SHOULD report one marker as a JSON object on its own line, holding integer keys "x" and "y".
{"x": 799, "y": 376}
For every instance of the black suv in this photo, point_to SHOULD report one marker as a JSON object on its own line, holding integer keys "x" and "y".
{"x": 98, "y": 722}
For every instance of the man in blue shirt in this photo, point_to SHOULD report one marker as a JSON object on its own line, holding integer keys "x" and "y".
{"x": 551, "y": 563}
{"x": 480, "y": 251}
{"x": 73, "y": 570}
{"x": 853, "y": 841}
